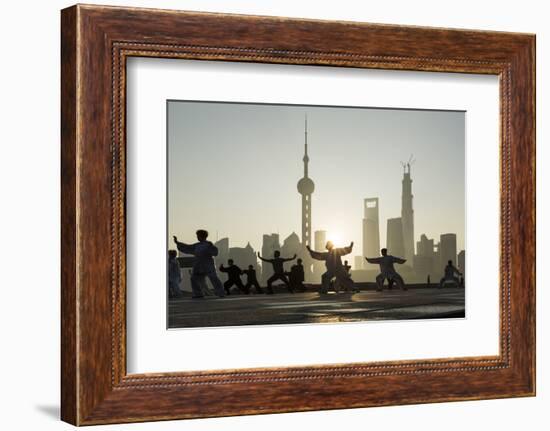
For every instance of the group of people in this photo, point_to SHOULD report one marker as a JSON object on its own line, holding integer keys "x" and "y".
{"x": 293, "y": 280}
{"x": 337, "y": 274}
{"x": 204, "y": 268}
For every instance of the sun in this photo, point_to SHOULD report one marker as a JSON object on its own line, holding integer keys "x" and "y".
{"x": 336, "y": 238}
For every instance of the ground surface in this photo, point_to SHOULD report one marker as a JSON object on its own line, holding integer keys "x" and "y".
{"x": 310, "y": 307}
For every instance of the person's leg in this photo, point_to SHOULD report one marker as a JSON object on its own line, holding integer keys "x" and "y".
{"x": 457, "y": 281}
{"x": 336, "y": 284}
{"x": 400, "y": 282}
{"x": 284, "y": 279}
{"x": 380, "y": 282}
{"x": 256, "y": 286}
{"x": 196, "y": 285}
{"x": 204, "y": 287}
{"x": 441, "y": 282}
{"x": 227, "y": 286}
{"x": 325, "y": 282}
{"x": 241, "y": 286}
{"x": 346, "y": 282}
{"x": 270, "y": 281}
{"x": 216, "y": 283}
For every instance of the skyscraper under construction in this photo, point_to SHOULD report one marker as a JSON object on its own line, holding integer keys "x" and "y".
{"x": 371, "y": 231}
{"x": 407, "y": 213}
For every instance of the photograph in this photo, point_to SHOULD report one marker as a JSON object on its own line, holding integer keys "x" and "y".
{"x": 283, "y": 214}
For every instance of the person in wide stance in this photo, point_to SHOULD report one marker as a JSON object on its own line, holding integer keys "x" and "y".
{"x": 387, "y": 271}
{"x": 450, "y": 275}
{"x": 335, "y": 269}
{"x": 278, "y": 271}
{"x": 203, "y": 266}
{"x": 251, "y": 279}
{"x": 233, "y": 277}
{"x": 296, "y": 276}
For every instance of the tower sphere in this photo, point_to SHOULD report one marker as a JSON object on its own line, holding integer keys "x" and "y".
{"x": 306, "y": 186}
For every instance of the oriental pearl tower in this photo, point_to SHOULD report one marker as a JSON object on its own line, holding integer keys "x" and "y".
{"x": 306, "y": 186}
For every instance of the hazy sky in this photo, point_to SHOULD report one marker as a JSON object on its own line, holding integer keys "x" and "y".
{"x": 233, "y": 169}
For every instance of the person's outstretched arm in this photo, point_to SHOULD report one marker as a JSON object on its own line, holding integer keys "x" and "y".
{"x": 184, "y": 248}
{"x": 289, "y": 259}
{"x": 222, "y": 269}
{"x": 399, "y": 260}
{"x": 263, "y": 259}
{"x": 345, "y": 250}
{"x": 373, "y": 259}
{"x": 316, "y": 255}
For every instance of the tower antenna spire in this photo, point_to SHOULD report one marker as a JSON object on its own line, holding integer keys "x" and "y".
{"x": 305, "y": 132}
{"x": 306, "y": 157}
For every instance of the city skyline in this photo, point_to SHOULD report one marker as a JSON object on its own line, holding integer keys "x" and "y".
{"x": 251, "y": 129}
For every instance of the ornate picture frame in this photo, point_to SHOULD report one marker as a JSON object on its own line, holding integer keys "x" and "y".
{"x": 96, "y": 41}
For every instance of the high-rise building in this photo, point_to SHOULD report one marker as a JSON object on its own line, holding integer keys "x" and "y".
{"x": 461, "y": 260}
{"x": 425, "y": 247}
{"x": 394, "y": 238}
{"x": 407, "y": 214}
{"x": 223, "y": 251}
{"x": 292, "y": 246}
{"x": 306, "y": 186}
{"x": 320, "y": 241}
{"x": 371, "y": 232}
{"x": 447, "y": 249}
{"x": 243, "y": 256}
{"x": 423, "y": 262}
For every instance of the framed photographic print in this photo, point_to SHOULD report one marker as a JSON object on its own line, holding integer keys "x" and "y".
{"x": 298, "y": 214}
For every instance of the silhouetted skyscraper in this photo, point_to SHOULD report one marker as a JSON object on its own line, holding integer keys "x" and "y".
{"x": 223, "y": 251}
{"x": 371, "y": 232}
{"x": 423, "y": 262}
{"x": 394, "y": 238}
{"x": 462, "y": 261}
{"x": 447, "y": 249}
{"x": 243, "y": 256}
{"x": 407, "y": 214}
{"x": 291, "y": 246}
{"x": 306, "y": 186}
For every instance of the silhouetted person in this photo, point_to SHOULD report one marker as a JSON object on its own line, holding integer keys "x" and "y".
{"x": 278, "y": 270}
{"x": 387, "y": 271}
{"x": 233, "y": 277}
{"x": 203, "y": 266}
{"x": 251, "y": 280}
{"x": 337, "y": 286}
{"x": 333, "y": 263}
{"x": 429, "y": 281}
{"x": 450, "y": 272}
{"x": 296, "y": 276}
{"x": 174, "y": 275}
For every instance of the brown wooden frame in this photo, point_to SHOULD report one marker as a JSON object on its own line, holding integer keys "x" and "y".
{"x": 95, "y": 43}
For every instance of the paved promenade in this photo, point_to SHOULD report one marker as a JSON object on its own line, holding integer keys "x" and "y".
{"x": 310, "y": 307}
